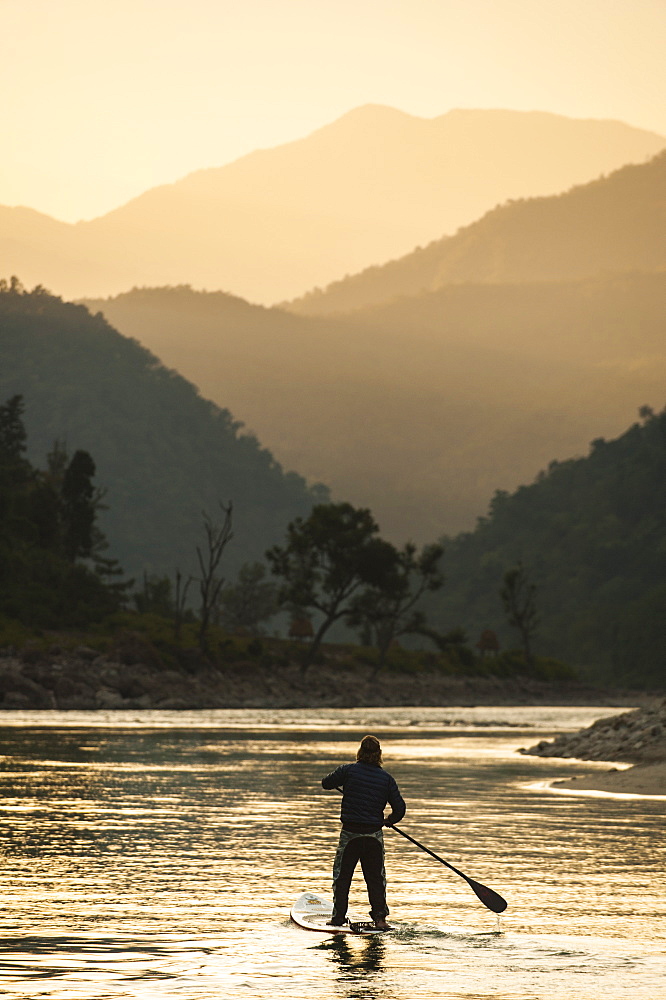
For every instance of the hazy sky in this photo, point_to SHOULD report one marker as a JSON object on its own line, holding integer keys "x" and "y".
{"x": 106, "y": 98}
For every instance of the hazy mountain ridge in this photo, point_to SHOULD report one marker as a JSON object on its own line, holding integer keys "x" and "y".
{"x": 422, "y": 408}
{"x": 365, "y": 188}
{"x": 162, "y": 452}
{"x": 613, "y": 224}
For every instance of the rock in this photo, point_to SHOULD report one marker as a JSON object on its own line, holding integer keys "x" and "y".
{"x": 15, "y": 699}
{"x": 105, "y": 698}
{"x": 34, "y": 654}
{"x": 192, "y": 660}
{"x": 17, "y": 690}
{"x": 132, "y": 648}
{"x": 73, "y": 693}
{"x": 86, "y": 653}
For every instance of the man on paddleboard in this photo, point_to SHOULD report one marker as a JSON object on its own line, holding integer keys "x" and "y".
{"x": 366, "y": 789}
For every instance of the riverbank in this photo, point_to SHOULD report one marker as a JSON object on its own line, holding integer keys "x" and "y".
{"x": 637, "y": 737}
{"x": 133, "y": 676}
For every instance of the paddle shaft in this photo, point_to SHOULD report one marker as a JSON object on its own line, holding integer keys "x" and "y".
{"x": 428, "y": 851}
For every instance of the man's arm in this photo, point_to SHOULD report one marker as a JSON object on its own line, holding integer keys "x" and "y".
{"x": 335, "y": 778}
{"x": 397, "y": 804}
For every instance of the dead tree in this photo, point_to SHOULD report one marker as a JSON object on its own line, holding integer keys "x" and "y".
{"x": 179, "y": 602}
{"x": 217, "y": 538}
{"x": 518, "y": 597}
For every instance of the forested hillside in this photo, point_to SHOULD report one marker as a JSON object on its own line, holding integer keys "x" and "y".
{"x": 163, "y": 454}
{"x": 611, "y": 225}
{"x": 591, "y": 535}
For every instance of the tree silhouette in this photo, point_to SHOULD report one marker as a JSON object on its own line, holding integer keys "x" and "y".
{"x": 47, "y": 524}
{"x": 518, "y": 597}
{"x": 329, "y": 556}
{"x": 391, "y": 609}
{"x": 78, "y": 506}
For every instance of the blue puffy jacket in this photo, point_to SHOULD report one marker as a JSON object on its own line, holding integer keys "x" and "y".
{"x": 366, "y": 790}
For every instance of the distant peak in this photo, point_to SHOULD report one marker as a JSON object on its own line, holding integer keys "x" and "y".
{"x": 376, "y": 109}
{"x": 367, "y": 114}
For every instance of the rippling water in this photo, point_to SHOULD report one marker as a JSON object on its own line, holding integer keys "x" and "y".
{"x": 156, "y": 854}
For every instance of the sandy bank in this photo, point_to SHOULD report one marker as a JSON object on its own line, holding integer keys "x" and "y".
{"x": 643, "y": 779}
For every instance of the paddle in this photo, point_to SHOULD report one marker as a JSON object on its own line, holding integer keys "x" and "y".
{"x": 488, "y": 897}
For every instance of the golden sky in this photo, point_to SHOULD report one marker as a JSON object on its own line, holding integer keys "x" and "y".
{"x": 106, "y": 98}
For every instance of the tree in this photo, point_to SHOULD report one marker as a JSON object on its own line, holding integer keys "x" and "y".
{"x": 15, "y": 470}
{"x": 518, "y": 597}
{"x": 251, "y": 600}
{"x": 328, "y": 557}
{"x": 47, "y": 523}
{"x": 79, "y": 504}
{"x": 391, "y": 609}
{"x": 12, "y": 439}
{"x": 218, "y": 537}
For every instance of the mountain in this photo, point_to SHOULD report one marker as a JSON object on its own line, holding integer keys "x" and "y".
{"x": 363, "y": 189}
{"x": 613, "y": 224}
{"x": 420, "y": 409}
{"x": 591, "y": 534}
{"x": 163, "y": 453}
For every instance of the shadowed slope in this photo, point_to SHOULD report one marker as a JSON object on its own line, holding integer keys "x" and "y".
{"x": 162, "y": 452}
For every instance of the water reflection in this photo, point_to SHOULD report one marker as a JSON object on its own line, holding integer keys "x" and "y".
{"x": 359, "y": 966}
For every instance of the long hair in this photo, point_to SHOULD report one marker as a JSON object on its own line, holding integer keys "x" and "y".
{"x": 370, "y": 751}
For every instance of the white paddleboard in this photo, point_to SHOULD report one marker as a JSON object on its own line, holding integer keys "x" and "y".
{"x": 312, "y": 911}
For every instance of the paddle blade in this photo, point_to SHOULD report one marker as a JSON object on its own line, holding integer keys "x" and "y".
{"x": 488, "y": 897}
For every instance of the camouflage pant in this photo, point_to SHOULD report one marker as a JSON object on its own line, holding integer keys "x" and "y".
{"x": 368, "y": 848}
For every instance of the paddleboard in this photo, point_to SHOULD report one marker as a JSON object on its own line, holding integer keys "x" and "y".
{"x": 312, "y": 912}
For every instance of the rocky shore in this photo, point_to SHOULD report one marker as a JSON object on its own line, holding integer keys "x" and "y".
{"x": 637, "y": 737}
{"x": 134, "y": 676}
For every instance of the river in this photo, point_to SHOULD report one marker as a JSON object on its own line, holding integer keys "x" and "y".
{"x": 156, "y": 855}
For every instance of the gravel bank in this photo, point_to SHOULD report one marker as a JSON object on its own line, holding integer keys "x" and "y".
{"x": 637, "y": 737}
